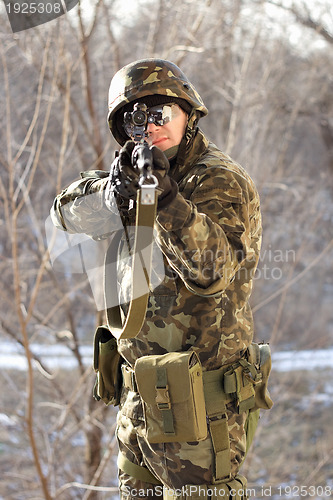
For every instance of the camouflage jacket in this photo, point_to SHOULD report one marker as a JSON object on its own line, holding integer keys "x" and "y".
{"x": 210, "y": 237}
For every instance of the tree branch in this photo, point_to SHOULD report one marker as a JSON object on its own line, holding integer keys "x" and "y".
{"x": 306, "y": 20}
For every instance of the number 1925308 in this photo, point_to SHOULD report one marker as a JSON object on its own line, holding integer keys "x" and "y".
{"x": 305, "y": 491}
{"x": 34, "y": 8}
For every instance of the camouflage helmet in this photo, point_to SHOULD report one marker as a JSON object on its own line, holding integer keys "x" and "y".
{"x": 148, "y": 77}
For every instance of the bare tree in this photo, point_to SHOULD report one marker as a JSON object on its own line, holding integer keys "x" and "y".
{"x": 304, "y": 15}
{"x": 270, "y": 106}
{"x": 35, "y": 165}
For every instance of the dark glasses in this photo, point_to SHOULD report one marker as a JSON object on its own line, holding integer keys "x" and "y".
{"x": 162, "y": 114}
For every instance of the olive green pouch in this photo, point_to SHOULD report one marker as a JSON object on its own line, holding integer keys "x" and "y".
{"x": 260, "y": 356}
{"x": 171, "y": 388}
{"x": 107, "y": 362}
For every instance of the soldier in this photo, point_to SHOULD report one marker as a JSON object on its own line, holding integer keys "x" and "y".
{"x": 208, "y": 228}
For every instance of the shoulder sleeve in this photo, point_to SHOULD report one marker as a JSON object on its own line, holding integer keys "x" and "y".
{"x": 80, "y": 208}
{"x": 208, "y": 237}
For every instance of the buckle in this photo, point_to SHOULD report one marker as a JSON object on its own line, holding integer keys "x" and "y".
{"x": 163, "y": 398}
{"x": 148, "y": 190}
{"x": 129, "y": 378}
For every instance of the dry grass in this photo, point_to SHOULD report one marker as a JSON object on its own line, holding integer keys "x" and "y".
{"x": 294, "y": 442}
{"x": 293, "y": 446}
{"x": 60, "y": 431}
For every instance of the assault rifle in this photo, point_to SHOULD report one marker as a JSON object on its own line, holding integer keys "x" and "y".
{"x": 135, "y": 123}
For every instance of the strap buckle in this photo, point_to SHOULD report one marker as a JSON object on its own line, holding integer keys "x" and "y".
{"x": 129, "y": 378}
{"x": 148, "y": 190}
{"x": 162, "y": 398}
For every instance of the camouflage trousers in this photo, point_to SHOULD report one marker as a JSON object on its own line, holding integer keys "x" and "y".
{"x": 175, "y": 465}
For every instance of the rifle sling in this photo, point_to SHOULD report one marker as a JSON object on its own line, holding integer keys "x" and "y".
{"x": 141, "y": 269}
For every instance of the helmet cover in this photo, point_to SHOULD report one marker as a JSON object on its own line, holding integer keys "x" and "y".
{"x": 149, "y": 77}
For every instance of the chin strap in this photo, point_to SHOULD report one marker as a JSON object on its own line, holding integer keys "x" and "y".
{"x": 141, "y": 268}
{"x": 187, "y": 137}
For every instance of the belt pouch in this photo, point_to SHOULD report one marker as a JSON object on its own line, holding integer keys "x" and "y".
{"x": 260, "y": 356}
{"x": 106, "y": 366}
{"x": 171, "y": 388}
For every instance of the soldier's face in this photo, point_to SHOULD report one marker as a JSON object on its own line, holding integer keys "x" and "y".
{"x": 170, "y": 134}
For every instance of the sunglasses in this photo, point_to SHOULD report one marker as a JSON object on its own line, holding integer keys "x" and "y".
{"x": 162, "y": 114}
{"x": 141, "y": 116}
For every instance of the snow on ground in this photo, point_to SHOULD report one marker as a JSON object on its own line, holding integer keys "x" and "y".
{"x": 60, "y": 356}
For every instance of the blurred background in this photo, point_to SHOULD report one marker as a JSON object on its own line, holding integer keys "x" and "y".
{"x": 265, "y": 71}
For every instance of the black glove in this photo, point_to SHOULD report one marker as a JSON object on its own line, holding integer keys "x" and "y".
{"x": 166, "y": 185}
{"x": 125, "y": 175}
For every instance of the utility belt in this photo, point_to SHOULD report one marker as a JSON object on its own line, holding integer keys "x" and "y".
{"x": 179, "y": 398}
{"x": 244, "y": 382}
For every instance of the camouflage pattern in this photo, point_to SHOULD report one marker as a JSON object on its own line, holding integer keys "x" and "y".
{"x": 210, "y": 235}
{"x": 175, "y": 465}
{"x": 149, "y": 77}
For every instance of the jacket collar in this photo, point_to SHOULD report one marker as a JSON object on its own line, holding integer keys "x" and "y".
{"x": 194, "y": 151}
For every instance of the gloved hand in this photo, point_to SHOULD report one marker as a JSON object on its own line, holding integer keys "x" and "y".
{"x": 125, "y": 175}
{"x": 167, "y": 187}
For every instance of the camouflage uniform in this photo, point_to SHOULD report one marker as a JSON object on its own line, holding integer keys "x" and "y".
{"x": 210, "y": 236}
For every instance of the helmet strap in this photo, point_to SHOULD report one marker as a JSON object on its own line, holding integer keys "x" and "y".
{"x": 187, "y": 137}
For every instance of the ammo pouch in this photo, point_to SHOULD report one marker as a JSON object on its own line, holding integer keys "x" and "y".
{"x": 260, "y": 356}
{"x": 246, "y": 379}
{"x": 107, "y": 363}
{"x": 171, "y": 388}
{"x": 246, "y": 382}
